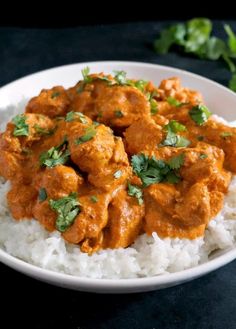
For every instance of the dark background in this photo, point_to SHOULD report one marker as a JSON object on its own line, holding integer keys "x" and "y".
{"x": 46, "y": 37}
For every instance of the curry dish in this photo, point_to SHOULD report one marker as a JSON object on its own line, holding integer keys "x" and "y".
{"x": 112, "y": 158}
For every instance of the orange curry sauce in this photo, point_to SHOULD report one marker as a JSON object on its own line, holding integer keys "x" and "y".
{"x": 111, "y": 158}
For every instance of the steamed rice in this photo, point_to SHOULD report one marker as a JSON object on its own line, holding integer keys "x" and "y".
{"x": 148, "y": 256}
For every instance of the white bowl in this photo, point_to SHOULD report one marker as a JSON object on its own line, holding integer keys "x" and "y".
{"x": 219, "y": 99}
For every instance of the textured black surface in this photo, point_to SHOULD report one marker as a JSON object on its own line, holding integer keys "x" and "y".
{"x": 206, "y": 303}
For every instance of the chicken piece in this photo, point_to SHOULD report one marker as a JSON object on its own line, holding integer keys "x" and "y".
{"x": 172, "y": 88}
{"x": 120, "y": 106}
{"x": 95, "y": 153}
{"x": 10, "y": 165}
{"x": 51, "y": 102}
{"x": 142, "y": 135}
{"x": 125, "y": 221}
{"x": 220, "y": 135}
{"x": 115, "y": 173}
{"x": 45, "y": 215}
{"x": 37, "y": 126}
{"x": 110, "y": 177}
{"x": 8, "y": 142}
{"x": 163, "y": 212}
{"x": 83, "y": 97}
{"x": 193, "y": 208}
{"x": 91, "y": 220}
{"x": 21, "y": 199}
{"x": 205, "y": 162}
{"x": 59, "y": 181}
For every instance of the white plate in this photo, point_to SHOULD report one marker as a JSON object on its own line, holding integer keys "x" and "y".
{"x": 220, "y": 99}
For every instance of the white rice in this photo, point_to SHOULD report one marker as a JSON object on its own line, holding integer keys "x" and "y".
{"x": 148, "y": 256}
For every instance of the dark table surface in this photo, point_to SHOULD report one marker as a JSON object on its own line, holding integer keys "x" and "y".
{"x": 205, "y": 303}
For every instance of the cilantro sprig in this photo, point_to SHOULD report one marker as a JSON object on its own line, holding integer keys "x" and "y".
{"x": 194, "y": 37}
{"x": 21, "y": 127}
{"x": 55, "y": 156}
{"x": 71, "y": 116}
{"x": 199, "y": 114}
{"x": 151, "y": 170}
{"x": 172, "y": 138}
{"x": 135, "y": 191}
{"x": 67, "y": 209}
{"x": 90, "y": 132}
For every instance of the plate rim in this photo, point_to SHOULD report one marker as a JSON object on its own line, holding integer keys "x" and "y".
{"x": 142, "y": 283}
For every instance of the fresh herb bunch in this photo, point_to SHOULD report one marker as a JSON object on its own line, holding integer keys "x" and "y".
{"x": 194, "y": 37}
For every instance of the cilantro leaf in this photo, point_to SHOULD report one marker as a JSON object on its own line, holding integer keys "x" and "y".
{"x": 43, "y": 131}
{"x": 135, "y": 191}
{"x": 175, "y": 126}
{"x": 173, "y": 35}
{"x": 226, "y": 134}
{"x": 67, "y": 209}
{"x": 120, "y": 77}
{"x": 203, "y": 156}
{"x": 213, "y": 49}
{"x": 172, "y": 139}
{"x": 117, "y": 174}
{"x": 55, "y": 94}
{"x": 90, "y": 132}
{"x": 21, "y": 127}
{"x": 198, "y": 32}
{"x": 71, "y": 116}
{"x": 140, "y": 84}
{"x": 154, "y": 106}
{"x": 231, "y": 38}
{"x": 199, "y": 114}
{"x": 151, "y": 170}
{"x": 85, "y": 74}
{"x": 42, "y": 194}
{"x": 94, "y": 199}
{"x": 55, "y": 156}
{"x": 119, "y": 114}
{"x": 174, "y": 102}
{"x": 177, "y": 161}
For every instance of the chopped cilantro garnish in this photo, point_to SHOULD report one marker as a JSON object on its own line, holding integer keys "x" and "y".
{"x": 117, "y": 174}
{"x": 151, "y": 170}
{"x": 67, "y": 209}
{"x": 199, "y": 114}
{"x": 55, "y": 156}
{"x": 120, "y": 77}
{"x": 119, "y": 114}
{"x": 135, "y": 191}
{"x": 94, "y": 199}
{"x": 172, "y": 139}
{"x": 21, "y": 127}
{"x": 203, "y": 156}
{"x": 43, "y": 131}
{"x": 90, "y": 132}
{"x": 154, "y": 106}
{"x": 55, "y": 94}
{"x": 226, "y": 134}
{"x": 71, "y": 116}
{"x": 176, "y": 162}
{"x": 174, "y": 102}
{"x": 42, "y": 194}
{"x": 200, "y": 138}
{"x": 85, "y": 74}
